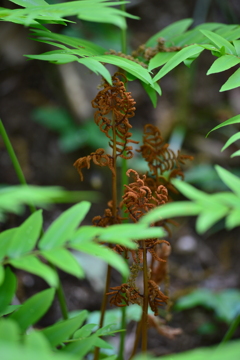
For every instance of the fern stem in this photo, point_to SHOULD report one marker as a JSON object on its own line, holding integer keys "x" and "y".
{"x": 145, "y": 299}
{"x": 114, "y": 213}
{"x": 22, "y": 180}
{"x": 114, "y": 176}
{"x": 14, "y": 160}
{"x": 233, "y": 327}
{"x": 123, "y": 325}
{"x": 124, "y": 180}
{"x": 137, "y": 337}
{"x": 103, "y": 307}
{"x": 62, "y": 300}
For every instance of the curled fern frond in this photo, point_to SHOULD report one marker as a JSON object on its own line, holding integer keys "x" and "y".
{"x": 124, "y": 295}
{"x": 159, "y": 272}
{"x": 155, "y": 296}
{"x": 139, "y": 199}
{"x": 156, "y": 152}
{"x": 98, "y": 157}
{"x": 115, "y": 106}
{"x": 108, "y": 218}
{"x": 160, "y": 159}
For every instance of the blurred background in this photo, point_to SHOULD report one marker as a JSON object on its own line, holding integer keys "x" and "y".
{"x": 47, "y": 112}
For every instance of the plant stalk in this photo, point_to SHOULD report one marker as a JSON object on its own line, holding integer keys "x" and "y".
{"x": 137, "y": 337}
{"x": 233, "y": 327}
{"x": 124, "y": 180}
{"x": 22, "y": 180}
{"x": 103, "y": 308}
{"x": 14, "y": 160}
{"x": 114, "y": 213}
{"x": 145, "y": 299}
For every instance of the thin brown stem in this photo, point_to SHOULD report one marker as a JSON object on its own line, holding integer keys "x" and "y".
{"x": 114, "y": 212}
{"x": 145, "y": 299}
{"x": 137, "y": 337}
{"x": 103, "y": 307}
{"x": 114, "y": 175}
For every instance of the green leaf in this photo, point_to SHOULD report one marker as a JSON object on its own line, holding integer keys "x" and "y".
{"x": 14, "y": 197}
{"x": 102, "y": 344}
{"x": 189, "y": 191}
{"x": 188, "y": 62}
{"x": 85, "y": 233}
{"x": 223, "y": 63}
{"x": 160, "y": 59}
{"x": 122, "y": 233}
{"x": 231, "y": 140}
{"x": 195, "y": 298}
{"x": 225, "y": 303}
{"x": 21, "y": 352}
{"x": 7, "y": 289}
{"x": 219, "y": 41}
{"x": 64, "y": 260}
{"x": 80, "y": 347}
{"x": 9, "y": 331}
{"x": 236, "y": 153}
{"x": 10, "y": 309}
{"x": 97, "y": 68}
{"x": 92, "y": 48}
{"x": 2, "y": 274}
{"x": 104, "y": 253}
{"x": 210, "y": 216}
{"x": 130, "y": 66}
{"x": 62, "y": 228}
{"x": 181, "y": 208}
{"x": 85, "y": 331}
{"x": 233, "y": 219}
{"x": 56, "y": 58}
{"x": 236, "y": 44}
{"x": 170, "y": 31}
{"x": 232, "y": 82}
{"x": 29, "y": 3}
{"x": 179, "y": 57}
{"x": 96, "y": 11}
{"x": 232, "y": 181}
{"x": 107, "y": 329}
{"x": 62, "y": 331}
{"x": 151, "y": 93}
{"x": 33, "y": 265}
{"x": 231, "y": 121}
{"x": 25, "y": 236}
{"x": 5, "y": 239}
{"x": 36, "y": 341}
{"x": 33, "y": 309}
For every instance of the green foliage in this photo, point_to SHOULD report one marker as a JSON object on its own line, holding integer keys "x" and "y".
{"x": 33, "y": 309}
{"x": 225, "y": 303}
{"x": 27, "y": 248}
{"x": 230, "y": 350}
{"x": 42, "y": 12}
{"x": 14, "y": 198}
{"x": 18, "y": 245}
{"x": 209, "y": 208}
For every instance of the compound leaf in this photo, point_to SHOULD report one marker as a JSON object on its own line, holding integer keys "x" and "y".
{"x": 64, "y": 260}
{"x": 63, "y": 227}
{"x": 7, "y": 289}
{"x": 62, "y": 331}
{"x": 179, "y": 57}
{"x": 33, "y": 265}
{"x": 33, "y": 309}
{"x": 223, "y": 63}
{"x": 232, "y": 82}
{"x": 25, "y": 236}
